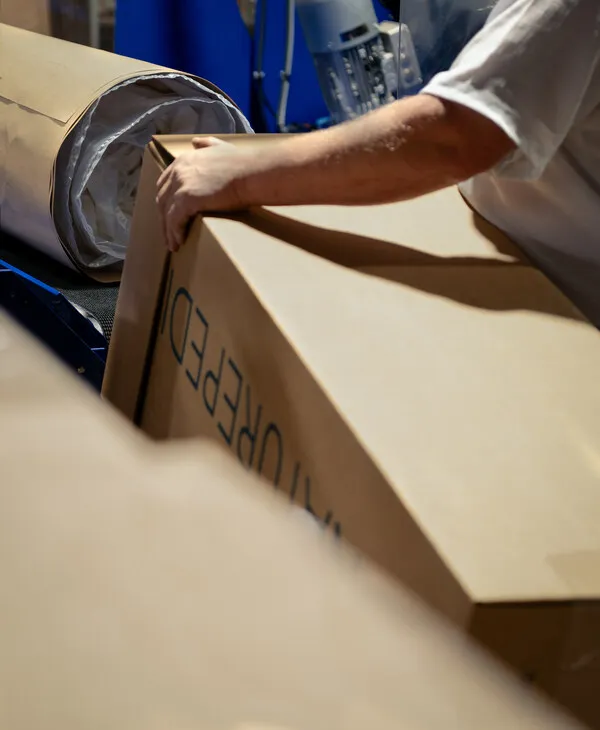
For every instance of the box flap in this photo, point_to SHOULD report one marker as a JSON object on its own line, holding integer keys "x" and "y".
{"x": 143, "y": 275}
{"x": 472, "y": 387}
{"x": 170, "y": 146}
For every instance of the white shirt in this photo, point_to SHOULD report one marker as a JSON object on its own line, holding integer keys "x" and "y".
{"x": 534, "y": 69}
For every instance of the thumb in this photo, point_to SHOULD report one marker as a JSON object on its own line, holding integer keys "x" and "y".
{"x": 201, "y": 143}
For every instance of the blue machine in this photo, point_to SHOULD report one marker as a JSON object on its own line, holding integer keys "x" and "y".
{"x": 210, "y": 39}
{"x": 70, "y": 333}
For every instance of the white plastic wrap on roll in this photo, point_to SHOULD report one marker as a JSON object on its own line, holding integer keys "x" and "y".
{"x": 76, "y": 121}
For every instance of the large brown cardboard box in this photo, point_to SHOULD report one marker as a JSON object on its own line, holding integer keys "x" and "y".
{"x": 404, "y": 374}
{"x": 160, "y": 587}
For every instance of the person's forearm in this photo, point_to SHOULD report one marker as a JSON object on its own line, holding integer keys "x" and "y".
{"x": 401, "y": 151}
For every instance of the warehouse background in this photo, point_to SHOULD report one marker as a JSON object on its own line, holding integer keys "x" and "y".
{"x": 203, "y": 37}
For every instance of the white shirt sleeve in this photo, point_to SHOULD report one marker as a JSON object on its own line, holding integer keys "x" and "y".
{"x": 529, "y": 70}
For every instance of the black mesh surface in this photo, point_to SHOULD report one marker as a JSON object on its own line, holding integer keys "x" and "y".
{"x": 98, "y": 299}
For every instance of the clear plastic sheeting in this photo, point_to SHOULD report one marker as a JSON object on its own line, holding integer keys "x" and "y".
{"x": 99, "y": 165}
{"x": 433, "y": 33}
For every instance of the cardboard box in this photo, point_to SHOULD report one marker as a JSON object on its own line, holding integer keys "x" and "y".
{"x": 151, "y": 587}
{"x": 417, "y": 386}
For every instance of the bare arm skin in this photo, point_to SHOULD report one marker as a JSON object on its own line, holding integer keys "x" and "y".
{"x": 407, "y": 149}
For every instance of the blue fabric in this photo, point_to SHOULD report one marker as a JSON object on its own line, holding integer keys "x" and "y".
{"x": 208, "y": 38}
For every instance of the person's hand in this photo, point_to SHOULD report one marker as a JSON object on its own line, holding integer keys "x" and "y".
{"x": 203, "y": 180}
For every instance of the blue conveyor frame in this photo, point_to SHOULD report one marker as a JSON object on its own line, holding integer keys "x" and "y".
{"x": 50, "y": 317}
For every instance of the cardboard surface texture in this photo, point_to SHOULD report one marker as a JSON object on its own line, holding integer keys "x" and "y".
{"x": 32, "y": 15}
{"x": 76, "y": 121}
{"x": 417, "y": 386}
{"x": 148, "y": 586}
